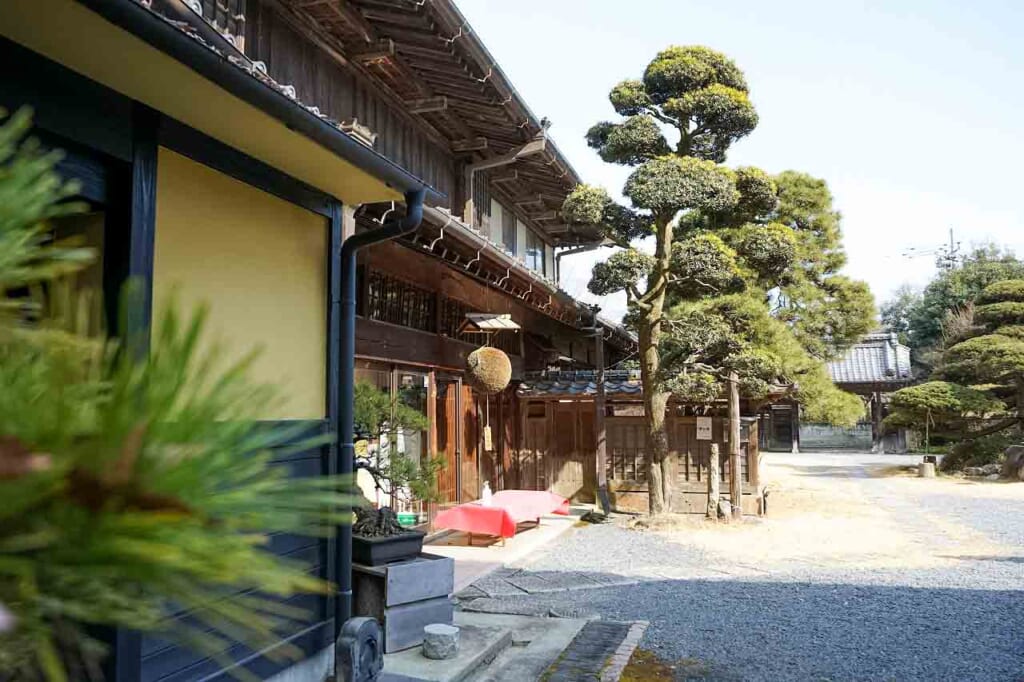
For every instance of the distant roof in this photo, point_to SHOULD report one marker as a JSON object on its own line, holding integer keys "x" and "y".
{"x": 617, "y": 384}
{"x": 879, "y": 359}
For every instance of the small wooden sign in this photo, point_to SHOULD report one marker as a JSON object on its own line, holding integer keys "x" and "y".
{"x": 488, "y": 443}
{"x": 703, "y": 428}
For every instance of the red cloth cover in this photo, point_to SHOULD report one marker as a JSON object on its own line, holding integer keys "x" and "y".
{"x": 508, "y": 508}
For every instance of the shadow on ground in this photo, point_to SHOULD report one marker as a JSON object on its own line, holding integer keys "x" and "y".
{"x": 981, "y": 557}
{"x": 749, "y": 630}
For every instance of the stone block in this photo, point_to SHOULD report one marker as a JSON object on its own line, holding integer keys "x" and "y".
{"x": 440, "y": 641}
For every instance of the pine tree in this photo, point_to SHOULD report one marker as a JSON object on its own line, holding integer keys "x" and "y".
{"x": 129, "y": 485}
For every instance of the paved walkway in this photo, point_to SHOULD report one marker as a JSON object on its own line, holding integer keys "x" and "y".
{"x": 484, "y": 555}
{"x": 857, "y": 575}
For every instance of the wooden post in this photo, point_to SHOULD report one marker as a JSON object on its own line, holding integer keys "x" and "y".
{"x": 601, "y": 454}
{"x": 794, "y": 417}
{"x": 714, "y": 475}
{"x": 735, "y": 465}
{"x": 876, "y": 423}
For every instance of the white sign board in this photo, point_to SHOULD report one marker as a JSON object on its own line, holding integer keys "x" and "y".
{"x": 703, "y": 428}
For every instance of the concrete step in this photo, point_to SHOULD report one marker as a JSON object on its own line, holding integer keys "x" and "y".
{"x": 479, "y": 644}
{"x": 536, "y": 644}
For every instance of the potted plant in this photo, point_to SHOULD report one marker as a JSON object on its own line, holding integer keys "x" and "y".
{"x": 384, "y": 424}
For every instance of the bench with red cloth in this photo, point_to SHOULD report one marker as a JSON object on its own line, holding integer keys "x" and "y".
{"x": 507, "y": 510}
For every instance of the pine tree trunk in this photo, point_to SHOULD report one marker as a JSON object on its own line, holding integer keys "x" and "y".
{"x": 659, "y": 467}
{"x": 654, "y": 418}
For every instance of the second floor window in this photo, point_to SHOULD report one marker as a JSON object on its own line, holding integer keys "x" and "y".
{"x": 508, "y": 230}
{"x": 535, "y": 253}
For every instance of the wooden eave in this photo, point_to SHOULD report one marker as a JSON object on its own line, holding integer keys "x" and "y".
{"x": 423, "y": 50}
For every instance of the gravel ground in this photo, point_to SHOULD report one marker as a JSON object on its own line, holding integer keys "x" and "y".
{"x": 943, "y": 599}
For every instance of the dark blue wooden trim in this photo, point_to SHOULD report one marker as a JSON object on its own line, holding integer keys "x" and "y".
{"x": 139, "y": 313}
{"x": 65, "y": 102}
{"x": 228, "y": 160}
{"x": 329, "y": 546}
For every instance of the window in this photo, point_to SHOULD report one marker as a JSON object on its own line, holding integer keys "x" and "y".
{"x": 508, "y": 230}
{"x": 392, "y": 300}
{"x": 535, "y": 253}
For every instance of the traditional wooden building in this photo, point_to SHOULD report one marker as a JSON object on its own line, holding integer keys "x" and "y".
{"x": 228, "y": 148}
{"x": 561, "y": 425}
{"x": 872, "y": 368}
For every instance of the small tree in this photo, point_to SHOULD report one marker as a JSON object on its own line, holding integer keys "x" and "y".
{"x": 380, "y": 419}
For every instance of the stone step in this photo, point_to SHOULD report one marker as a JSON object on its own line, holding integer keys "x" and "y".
{"x": 478, "y": 646}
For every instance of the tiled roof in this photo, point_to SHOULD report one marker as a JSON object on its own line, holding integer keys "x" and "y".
{"x": 878, "y": 359}
{"x": 618, "y": 383}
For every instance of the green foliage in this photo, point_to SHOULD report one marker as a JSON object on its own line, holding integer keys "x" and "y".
{"x": 31, "y": 193}
{"x": 635, "y": 140}
{"x": 726, "y": 111}
{"x": 667, "y": 185}
{"x": 1002, "y": 292}
{"x": 978, "y": 452}
{"x": 827, "y": 318}
{"x": 895, "y": 313}
{"x": 587, "y": 205}
{"x": 622, "y": 270}
{"x": 989, "y": 359}
{"x": 132, "y": 485}
{"x": 995, "y": 315}
{"x": 710, "y": 337}
{"x": 717, "y": 233}
{"x": 759, "y": 195}
{"x": 951, "y": 290}
{"x": 629, "y": 98}
{"x": 769, "y": 250}
{"x": 676, "y": 71}
{"x": 381, "y": 418}
{"x": 704, "y": 266}
{"x": 941, "y": 407}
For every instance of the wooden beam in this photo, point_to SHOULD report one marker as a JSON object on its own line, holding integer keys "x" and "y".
{"x": 382, "y": 49}
{"x": 473, "y": 144}
{"x": 427, "y": 104}
{"x": 549, "y": 215}
{"x": 510, "y": 176}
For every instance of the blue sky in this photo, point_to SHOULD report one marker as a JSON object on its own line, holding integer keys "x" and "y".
{"x": 910, "y": 110}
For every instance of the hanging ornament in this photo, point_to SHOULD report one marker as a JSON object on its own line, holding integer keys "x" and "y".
{"x": 488, "y": 370}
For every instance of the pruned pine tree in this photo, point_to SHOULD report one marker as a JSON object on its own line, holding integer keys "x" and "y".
{"x": 735, "y": 235}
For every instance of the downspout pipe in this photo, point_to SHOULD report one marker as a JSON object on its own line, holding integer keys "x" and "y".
{"x": 345, "y": 428}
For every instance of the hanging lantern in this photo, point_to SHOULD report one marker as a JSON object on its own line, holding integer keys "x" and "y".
{"x": 488, "y": 370}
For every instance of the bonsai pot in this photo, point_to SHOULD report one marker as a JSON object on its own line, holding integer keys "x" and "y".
{"x": 374, "y": 551}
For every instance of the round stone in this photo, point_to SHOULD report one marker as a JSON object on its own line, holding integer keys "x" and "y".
{"x": 440, "y": 641}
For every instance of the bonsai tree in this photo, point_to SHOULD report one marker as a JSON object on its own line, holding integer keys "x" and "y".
{"x": 716, "y": 231}
{"x": 380, "y": 420}
{"x": 132, "y": 483}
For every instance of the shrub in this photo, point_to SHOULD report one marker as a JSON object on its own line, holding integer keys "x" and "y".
{"x": 978, "y": 452}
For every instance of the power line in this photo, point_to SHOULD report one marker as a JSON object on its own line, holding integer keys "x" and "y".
{"x": 947, "y": 256}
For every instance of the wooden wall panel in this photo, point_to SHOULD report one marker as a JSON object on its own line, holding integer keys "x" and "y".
{"x": 470, "y": 481}
{"x": 342, "y": 94}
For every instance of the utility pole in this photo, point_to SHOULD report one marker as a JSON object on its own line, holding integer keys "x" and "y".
{"x": 601, "y": 454}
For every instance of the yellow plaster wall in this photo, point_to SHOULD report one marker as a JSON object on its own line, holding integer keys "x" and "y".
{"x": 259, "y": 262}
